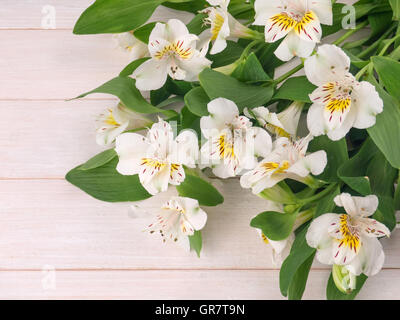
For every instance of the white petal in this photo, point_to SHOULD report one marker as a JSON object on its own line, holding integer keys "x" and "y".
{"x": 107, "y": 136}
{"x": 197, "y": 218}
{"x": 151, "y": 75}
{"x": 193, "y": 66}
{"x": 225, "y": 170}
{"x": 155, "y": 181}
{"x": 317, "y": 234}
{"x": 342, "y": 253}
{"x": 177, "y": 174}
{"x": 329, "y": 64}
{"x": 265, "y": 9}
{"x": 323, "y": 9}
{"x": 315, "y": 120}
{"x": 222, "y": 111}
{"x": 277, "y": 27}
{"x": 366, "y": 206}
{"x": 346, "y": 201}
{"x": 316, "y": 162}
{"x": 374, "y": 229}
{"x": 187, "y": 148}
{"x": 219, "y": 45}
{"x": 262, "y": 142}
{"x": 341, "y": 131}
{"x": 368, "y": 104}
{"x": 324, "y": 255}
{"x": 370, "y": 258}
{"x": 131, "y": 148}
{"x": 310, "y": 28}
{"x": 159, "y": 32}
{"x": 293, "y": 46}
{"x": 176, "y": 29}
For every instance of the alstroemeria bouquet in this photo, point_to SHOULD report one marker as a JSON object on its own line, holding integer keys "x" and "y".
{"x": 323, "y": 149}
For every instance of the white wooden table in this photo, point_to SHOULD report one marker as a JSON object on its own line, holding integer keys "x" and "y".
{"x": 97, "y": 249}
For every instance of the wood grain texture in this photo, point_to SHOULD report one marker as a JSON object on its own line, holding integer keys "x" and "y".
{"x": 97, "y": 248}
{"x": 187, "y": 284}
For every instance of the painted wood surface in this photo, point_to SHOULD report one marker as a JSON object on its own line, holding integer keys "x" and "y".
{"x": 97, "y": 249}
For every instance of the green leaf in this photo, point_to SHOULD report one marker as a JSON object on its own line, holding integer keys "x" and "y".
{"x": 193, "y": 6}
{"x": 299, "y": 254}
{"x": 388, "y": 71}
{"x": 397, "y": 198}
{"x": 190, "y": 121}
{"x": 353, "y": 171}
{"x": 197, "y": 100}
{"x": 232, "y": 52}
{"x": 337, "y": 155}
{"x": 251, "y": 70}
{"x": 130, "y": 68}
{"x": 116, "y": 16}
{"x": 275, "y": 225}
{"x": 299, "y": 281}
{"x": 143, "y": 33}
{"x": 197, "y": 25}
{"x": 326, "y": 204}
{"x": 396, "y": 8}
{"x": 106, "y": 184}
{"x": 124, "y": 88}
{"x": 295, "y": 89}
{"x": 333, "y": 293}
{"x": 99, "y": 160}
{"x": 386, "y": 131}
{"x": 196, "y": 188}
{"x": 216, "y": 85}
{"x": 196, "y": 242}
{"x": 382, "y": 175}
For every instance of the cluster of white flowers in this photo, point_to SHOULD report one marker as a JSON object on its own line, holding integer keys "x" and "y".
{"x": 242, "y": 144}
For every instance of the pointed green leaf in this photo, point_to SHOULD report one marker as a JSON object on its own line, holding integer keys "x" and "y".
{"x": 99, "y": 160}
{"x": 275, "y": 225}
{"x": 295, "y": 89}
{"x": 217, "y": 85}
{"x": 106, "y": 184}
{"x": 333, "y": 293}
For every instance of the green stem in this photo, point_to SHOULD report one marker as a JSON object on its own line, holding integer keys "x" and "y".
{"x": 289, "y": 73}
{"x": 376, "y": 44}
{"x": 318, "y": 196}
{"x": 350, "y": 32}
{"x": 247, "y": 50}
{"x": 383, "y": 51}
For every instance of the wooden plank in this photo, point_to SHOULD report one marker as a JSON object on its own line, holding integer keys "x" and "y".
{"x": 23, "y": 14}
{"x": 45, "y": 139}
{"x": 189, "y": 284}
{"x": 52, "y": 222}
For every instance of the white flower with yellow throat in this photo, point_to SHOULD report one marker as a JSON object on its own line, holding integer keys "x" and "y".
{"x": 173, "y": 52}
{"x": 157, "y": 158}
{"x": 340, "y": 102}
{"x": 350, "y": 239}
{"x": 298, "y": 21}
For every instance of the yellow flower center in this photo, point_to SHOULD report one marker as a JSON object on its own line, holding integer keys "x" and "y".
{"x": 351, "y": 238}
{"x": 111, "y": 120}
{"x": 289, "y": 20}
{"x": 217, "y": 25}
{"x": 225, "y": 148}
{"x": 174, "y": 49}
{"x": 265, "y": 239}
{"x": 276, "y": 167}
{"x": 277, "y": 130}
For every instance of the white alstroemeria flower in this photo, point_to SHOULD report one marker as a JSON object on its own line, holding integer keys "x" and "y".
{"x": 158, "y": 158}
{"x": 115, "y": 121}
{"x": 178, "y": 219}
{"x": 350, "y": 239}
{"x": 129, "y": 43}
{"x": 297, "y": 20}
{"x": 280, "y": 249}
{"x": 173, "y": 52}
{"x": 340, "y": 102}
{"x": 283, "y": 124}
{"x": 223, "y": 26}
{"x": 233, "y": 144}
{"x": 288, "y": 160}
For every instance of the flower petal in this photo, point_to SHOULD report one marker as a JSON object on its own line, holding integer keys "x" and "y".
{"x": 370, "y": 258}
{"x": 317, "y": 234}
{"x": 151, "y": 75}
{"x": 346, "y": 201}
{"x": 328, "y": 65}
{"x": 131, "y": 148}
{"x": 315, "y": 120}
{"x": 293, "y": 46}
{"x": 278, "y": 26}
{"x": 265, "y": 9}
{"x": 374, "y": 229}
{"x": 366, "y": 100}
{"x": 323, "y": 9}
